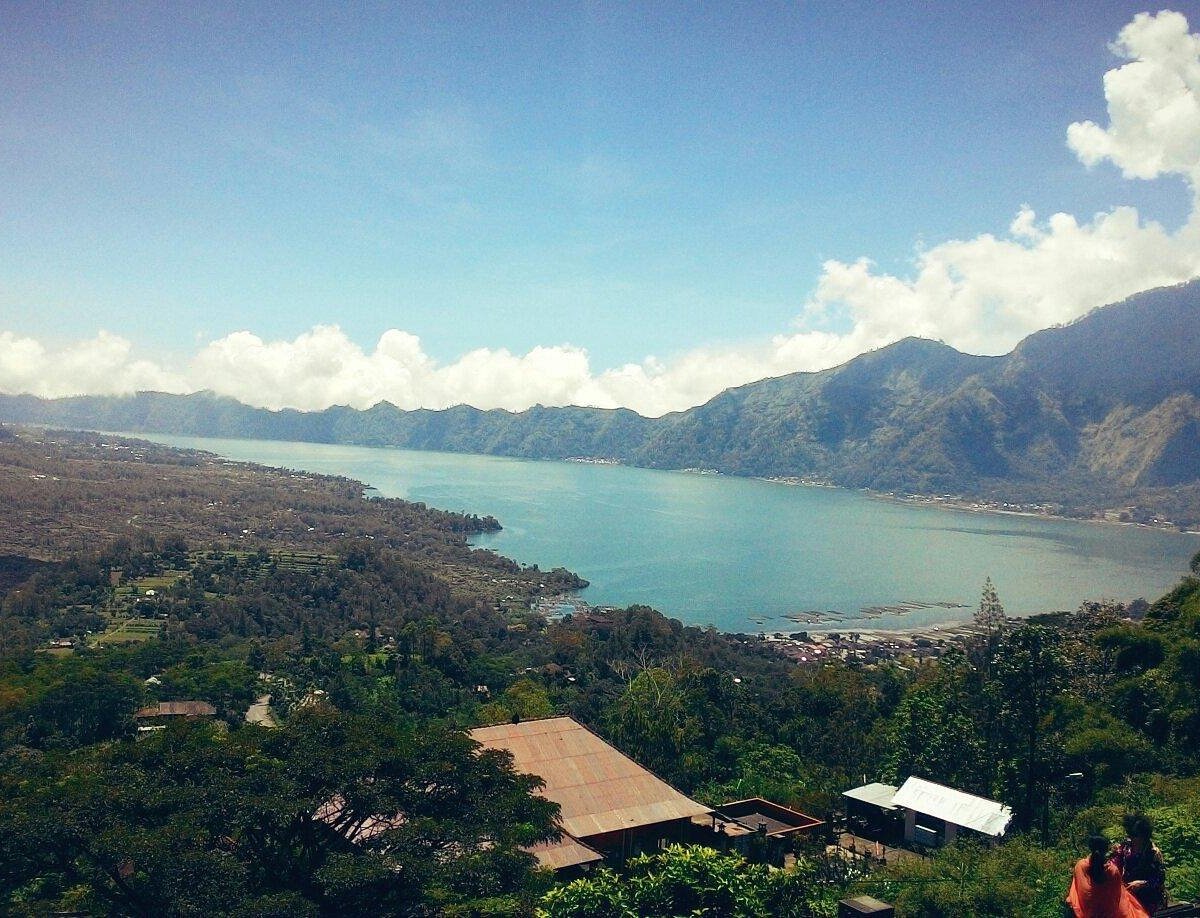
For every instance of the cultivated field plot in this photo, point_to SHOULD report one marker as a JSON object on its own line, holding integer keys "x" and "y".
{"x": 137, "y": 589}
{"x": 302, "y": 560}
{"x": 129, "y": 631}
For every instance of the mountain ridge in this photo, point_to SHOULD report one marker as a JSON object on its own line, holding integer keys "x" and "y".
{"x": 1097, "y": 417}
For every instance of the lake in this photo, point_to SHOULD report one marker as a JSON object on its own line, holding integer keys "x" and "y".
{"x": 742, "y": 553}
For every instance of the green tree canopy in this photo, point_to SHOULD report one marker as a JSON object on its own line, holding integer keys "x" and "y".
{"x": 331, "y": 813}
{"x": 693, "y": 880}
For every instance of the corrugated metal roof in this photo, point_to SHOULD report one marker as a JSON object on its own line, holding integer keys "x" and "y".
{"x": 333, "y": 813}
{"x": 875, "y": 794}
{"x": 598, "y": 788}
{"x": 178, "y": 709}
{"x": 958, "y": 807}
{"x": 567, "y": 852}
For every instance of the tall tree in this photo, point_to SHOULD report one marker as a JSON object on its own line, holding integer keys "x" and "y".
{"x": 990, "y": 615}
{"x": 1029, "y": 673}
{"x": 651, "y": 722}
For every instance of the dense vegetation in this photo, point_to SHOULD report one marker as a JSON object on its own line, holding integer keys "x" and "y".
{"x": 197, "y": 820}
{"x": 377, "y": 652}
{"x": 1099, "y": 415}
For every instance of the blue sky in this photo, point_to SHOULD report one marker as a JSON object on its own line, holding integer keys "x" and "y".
{"x": 649, "y": 184}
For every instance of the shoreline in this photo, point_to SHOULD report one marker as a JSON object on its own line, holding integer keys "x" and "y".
{"x": 945, "y": 502}
{"x": 925, "y": 620}
{"x": 875, "y": 645}
{"x": 822, "y": 643}
{"x": 973, "y": 505}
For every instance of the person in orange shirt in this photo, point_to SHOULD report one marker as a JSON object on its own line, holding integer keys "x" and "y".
{"x": 1097, "y": 889}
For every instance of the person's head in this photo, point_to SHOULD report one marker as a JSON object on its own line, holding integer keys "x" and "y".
{"x": 1138, "y": 828}
{"x": 1098, "y": 849}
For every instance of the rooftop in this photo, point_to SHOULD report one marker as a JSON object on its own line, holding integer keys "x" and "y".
{"x": 978, "y": 813}
{"x": 778, "y": 820}
{"x": 598, "y": 788}
{"x": 566, "y": 852}
{"x": 177, "y": 709}
{"x": 876, "y": 794}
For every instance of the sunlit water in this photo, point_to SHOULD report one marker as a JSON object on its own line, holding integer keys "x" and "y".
{"x": 741, "y": 553}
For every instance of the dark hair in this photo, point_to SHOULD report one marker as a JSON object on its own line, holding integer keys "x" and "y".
{"x": 1098, "y": 846}
{"x": 1137, "y": 825}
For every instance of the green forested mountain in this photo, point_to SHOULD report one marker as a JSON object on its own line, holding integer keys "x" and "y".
{"x": 1100, "y": 414}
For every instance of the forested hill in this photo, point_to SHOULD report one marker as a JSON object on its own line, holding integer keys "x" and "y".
{"x": 1100, "y": 414}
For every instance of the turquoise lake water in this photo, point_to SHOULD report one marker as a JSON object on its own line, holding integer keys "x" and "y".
{"x": 742, "y": 553}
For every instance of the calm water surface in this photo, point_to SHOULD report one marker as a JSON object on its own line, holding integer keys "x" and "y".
{"x": 740, "y": 553}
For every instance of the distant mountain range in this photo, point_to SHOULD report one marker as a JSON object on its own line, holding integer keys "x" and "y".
{"x": 1101, "y": 416}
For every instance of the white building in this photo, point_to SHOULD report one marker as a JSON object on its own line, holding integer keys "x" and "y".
{"x": 937, "y": 815}
{"x": 933, "y": 814}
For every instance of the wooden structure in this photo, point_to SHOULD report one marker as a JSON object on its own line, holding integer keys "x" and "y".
{"x": 764, "y": 830}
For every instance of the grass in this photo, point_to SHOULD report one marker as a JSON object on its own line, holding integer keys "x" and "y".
{"x": 158, "y": 581}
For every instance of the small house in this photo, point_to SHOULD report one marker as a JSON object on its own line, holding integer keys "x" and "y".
{"x": 871, "y": 814}
{"x": 156, "y": 716}
{"x": 936, "y": 815}
{"x": 922, "y": 812}
{"x": 761, "y": 829}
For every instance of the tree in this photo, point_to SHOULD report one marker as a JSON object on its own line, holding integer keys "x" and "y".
{"x": 1029, "y": 674}
{"x": 693, "y": 880}
{"x": 776, "y": 773}
{"x": 331, "y": 813}
{"x": 1016, "y": 878}
{"x": 990, "y": 615}
{"x": 650, "y": 722}
{"x": 524, "y": 699}
{"x": 78, "y": 703}
{"x": 935, "y": 733}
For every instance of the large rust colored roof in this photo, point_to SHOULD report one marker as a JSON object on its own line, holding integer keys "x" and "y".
{"x": 566, "y": 852}
{"x": 597, "y": 788}
{"x": 178, "y": 709}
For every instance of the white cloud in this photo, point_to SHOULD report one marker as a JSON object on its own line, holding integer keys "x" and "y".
{"x": 981, "y": 294}
{"x": 1153, "y": 102}
{"x": 324, "y": 367}
{"x": 100, "y": 365}
{"x": 984, "y": 294}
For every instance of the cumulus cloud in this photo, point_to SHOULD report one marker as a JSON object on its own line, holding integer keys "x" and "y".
{"x": 1153, "y": 102}
{"x": 100, "y": 365}
{"x": 323, "y": 367}
{"x": 984, "y": 294}
{"x": 981, "y": 294}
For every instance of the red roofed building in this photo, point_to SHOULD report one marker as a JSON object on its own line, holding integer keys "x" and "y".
{"x": 609, "y": 804}
{"x": 177, "y": 709}
{"x": 155, "y": 716}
